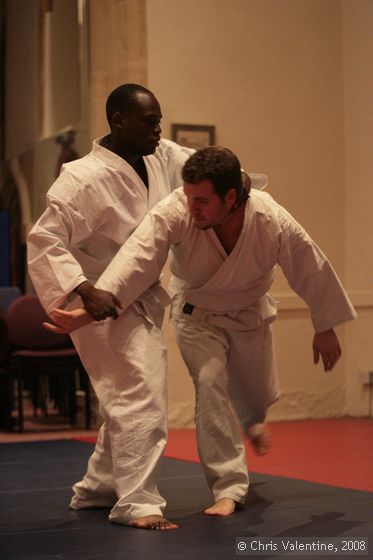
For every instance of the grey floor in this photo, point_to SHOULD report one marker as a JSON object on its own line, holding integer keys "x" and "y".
{"x": 36, "y": 524}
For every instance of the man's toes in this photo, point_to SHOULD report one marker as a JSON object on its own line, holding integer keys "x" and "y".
{"x": 153, "y": 522}
{"x": 164, "y": 525}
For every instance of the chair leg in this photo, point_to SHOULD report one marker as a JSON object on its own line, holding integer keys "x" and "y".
{"x": 6, "y": 398}
{"x": 35, "y": 394}
{"x": 44, "y": 394}
{"x": 72, "y": 397}
{"x": 86, "y": 387}
{"x": 64, "y": 398}
{"x": 20, "y": 403}
{"x": 87, "y": 402}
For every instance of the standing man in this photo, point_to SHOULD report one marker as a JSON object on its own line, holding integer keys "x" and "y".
{"x": 92, "y": 208}
{"x": 226, "y": 244}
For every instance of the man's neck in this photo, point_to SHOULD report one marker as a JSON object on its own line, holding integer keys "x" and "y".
{"x": 229, "y": 231}
{"x": 134, "y": 160}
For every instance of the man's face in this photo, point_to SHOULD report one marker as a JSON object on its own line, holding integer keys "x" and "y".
{"x": 141, "y": 130}
{"x": 205, "y": 206}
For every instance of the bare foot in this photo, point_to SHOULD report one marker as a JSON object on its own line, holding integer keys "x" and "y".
{"x": 260, "y": 440}
{"x": 223, "y": 507}
{"x": 156, "y": 522}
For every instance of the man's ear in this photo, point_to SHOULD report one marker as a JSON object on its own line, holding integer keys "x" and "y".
{"x": 231, "y": 197}
{"x": 118, "y": 119}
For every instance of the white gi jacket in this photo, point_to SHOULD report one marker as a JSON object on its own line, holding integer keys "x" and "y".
{"x": 92, "y": 208}
{"x": 205, "y": 276}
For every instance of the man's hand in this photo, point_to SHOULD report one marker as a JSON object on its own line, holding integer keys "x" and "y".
{"x": 326, "y": 345}
{"x": 65, "y": 322}
{"x": 98, "y": 303}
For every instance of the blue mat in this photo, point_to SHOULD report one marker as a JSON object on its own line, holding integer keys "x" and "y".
{"x": 36, "y": 523}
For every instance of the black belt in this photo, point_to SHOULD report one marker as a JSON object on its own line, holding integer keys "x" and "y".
{"x": 188, "y": 308}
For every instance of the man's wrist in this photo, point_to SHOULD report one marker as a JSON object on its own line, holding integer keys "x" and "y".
{"x": 84, "y": 288}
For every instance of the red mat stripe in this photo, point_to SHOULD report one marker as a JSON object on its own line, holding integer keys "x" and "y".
{"x": 336, "y": 452}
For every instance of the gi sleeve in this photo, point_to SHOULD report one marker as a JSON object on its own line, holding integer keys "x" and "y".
{"x": 139, "y": 262}
{"x": 53, "y": 269}
{"x": 311, "y": 276}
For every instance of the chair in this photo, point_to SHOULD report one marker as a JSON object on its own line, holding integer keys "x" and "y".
{"x": 6, "y": 393}
{"x": 47, "y": 360}
{"x": 7, "y": 295}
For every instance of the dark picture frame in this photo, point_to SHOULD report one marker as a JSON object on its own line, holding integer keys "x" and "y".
{"x": 193, "y": 135}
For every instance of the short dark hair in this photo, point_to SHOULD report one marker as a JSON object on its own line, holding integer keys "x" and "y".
{"x": 122, "y": 97}
{"x": 218, "y": 165}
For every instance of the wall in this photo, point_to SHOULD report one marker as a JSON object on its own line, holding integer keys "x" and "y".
{"x": 358, "y": 87}
{"x": 117, "y": 53}
{"x": 269, "y": 76}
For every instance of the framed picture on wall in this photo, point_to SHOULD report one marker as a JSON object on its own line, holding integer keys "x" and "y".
{"x": 193, "y": 135}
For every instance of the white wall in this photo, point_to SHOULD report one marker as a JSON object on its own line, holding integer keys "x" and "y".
{"x": 358, "y": 100}
{"x": 269, "y": 74}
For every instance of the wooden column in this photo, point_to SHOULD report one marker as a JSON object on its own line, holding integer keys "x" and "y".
{"x": 117, "y": 52}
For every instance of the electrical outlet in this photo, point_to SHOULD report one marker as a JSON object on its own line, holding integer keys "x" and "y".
{"x": 367, "y": 377}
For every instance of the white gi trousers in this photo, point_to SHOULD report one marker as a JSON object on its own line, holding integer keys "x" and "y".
{"x": 234, "y": 375}
{"x": 128, "y": 374}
